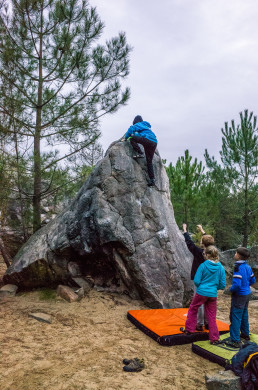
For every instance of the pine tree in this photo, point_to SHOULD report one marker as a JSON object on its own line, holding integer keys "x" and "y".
{"x": 185, "y": 179}
{"x": 56, "y": 82}
{"x": 239, "y": 155}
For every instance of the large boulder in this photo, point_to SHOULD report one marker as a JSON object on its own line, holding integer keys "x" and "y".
{"x": 120, "y": 232}
{"x": 228, "y": 261}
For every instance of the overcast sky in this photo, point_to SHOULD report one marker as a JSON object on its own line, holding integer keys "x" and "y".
{"x": 194, "y": 65}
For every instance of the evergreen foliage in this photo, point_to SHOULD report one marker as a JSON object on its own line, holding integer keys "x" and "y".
{"x": 56, "y": 81}
{"x": 224, "y": 198}
{"x": 185, "y": 179}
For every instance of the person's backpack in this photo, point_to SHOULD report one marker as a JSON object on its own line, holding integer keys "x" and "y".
{"x": 245, "y": 365}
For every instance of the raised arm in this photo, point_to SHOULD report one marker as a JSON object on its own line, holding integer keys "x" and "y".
{"x": 194, "y": 249}
{"x": 129, "y": 132}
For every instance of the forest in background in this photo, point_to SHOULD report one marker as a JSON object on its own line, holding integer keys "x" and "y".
{"x": 56, "y": 82}
{"x": 222, "y": 196}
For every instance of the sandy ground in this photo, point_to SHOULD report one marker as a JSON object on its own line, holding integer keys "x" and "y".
{"x": 84, "y": 346}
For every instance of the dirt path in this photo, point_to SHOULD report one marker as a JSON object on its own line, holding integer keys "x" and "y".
{"x": 84, "y": 346}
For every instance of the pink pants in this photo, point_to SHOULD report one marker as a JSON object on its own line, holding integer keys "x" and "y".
{"x": 210, "y": 308}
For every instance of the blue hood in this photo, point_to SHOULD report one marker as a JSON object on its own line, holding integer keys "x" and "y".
{"x": 212, "y": 267}
{"x": 209, "y": 278}
{"x": 141, "y": 129}
{"x": 142, "y": 126}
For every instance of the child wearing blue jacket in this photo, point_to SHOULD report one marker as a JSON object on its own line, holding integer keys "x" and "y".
{"x": 243, "y": 278}
{"x": 209, "y": 278}
{"x": 141, "y": 133}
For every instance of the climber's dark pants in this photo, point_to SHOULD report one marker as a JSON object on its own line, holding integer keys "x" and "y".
{"x": 149, "y": 149}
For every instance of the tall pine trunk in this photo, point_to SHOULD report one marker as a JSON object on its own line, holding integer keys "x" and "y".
{"x": 245, "y": 217}
{"x": 37, "y": 139}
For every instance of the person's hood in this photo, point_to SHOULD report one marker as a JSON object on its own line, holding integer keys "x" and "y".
{"x": 142, "y": 125}
{"x": 212, "y": 267}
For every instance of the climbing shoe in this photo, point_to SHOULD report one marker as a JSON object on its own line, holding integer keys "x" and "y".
{"x": 245, "y": 337}
{"x": 206, "y": 326}
{"x": 135, "y": 365}
{"x": 199, "y": 328}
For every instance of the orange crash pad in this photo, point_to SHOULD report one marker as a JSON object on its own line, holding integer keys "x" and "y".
{"x": 163, "y": 325}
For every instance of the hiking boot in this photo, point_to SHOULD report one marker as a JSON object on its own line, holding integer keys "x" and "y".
{"x": 136, "y": 365}
{"x": 138, "y": 156}
{"x": 199, "y": 328}
{"x": 245, "y": 337}
{"x": 151, "y": 183}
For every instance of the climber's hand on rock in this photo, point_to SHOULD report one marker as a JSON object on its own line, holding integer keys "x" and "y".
{"x": 184, "y": 227}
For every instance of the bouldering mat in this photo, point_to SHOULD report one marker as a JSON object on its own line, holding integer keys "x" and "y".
{"x": 222, "y": 353}
{"x": 163, "y": 325}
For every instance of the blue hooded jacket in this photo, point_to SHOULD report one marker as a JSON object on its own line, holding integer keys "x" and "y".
{"x": 243, "y": 278}
{"x": 209, "y": 278}
{"x": 141, "y": 129}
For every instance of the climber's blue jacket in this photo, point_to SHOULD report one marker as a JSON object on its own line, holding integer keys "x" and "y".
{"x": 141, "y": 129}
{"x": 209, "y": 278}
{"x": 243, "y": 278}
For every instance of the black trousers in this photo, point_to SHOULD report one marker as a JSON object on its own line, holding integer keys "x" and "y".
{"x": 149, "y": 149}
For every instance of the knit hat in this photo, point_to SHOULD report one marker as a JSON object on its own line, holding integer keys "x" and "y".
{"x": 137, "y": 119}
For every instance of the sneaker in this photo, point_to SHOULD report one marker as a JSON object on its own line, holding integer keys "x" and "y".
{"x": 215, "y": 342}
{"x": 127, "y": 361}
{"x": 183, "y": 330}
{"x": 138, "y": 156}
{"x": 234, "y": 344}
{"x": 136, "y": 365}
{"x": 245, "y": 337}
{"x": 151, "y": 183}
{"x": 199, "y": 328}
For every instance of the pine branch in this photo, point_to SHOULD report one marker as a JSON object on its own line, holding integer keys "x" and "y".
{"x": 72, "y": 153}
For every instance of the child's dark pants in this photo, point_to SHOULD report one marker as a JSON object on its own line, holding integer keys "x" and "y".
{"x": 149, "y": 148}
{"x": 239, "y": 316}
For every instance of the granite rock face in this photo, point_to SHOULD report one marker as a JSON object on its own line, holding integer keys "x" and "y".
{"x": 120, "y": 232}
{"x": 223, "y": 380}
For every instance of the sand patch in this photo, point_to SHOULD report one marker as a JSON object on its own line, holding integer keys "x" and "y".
{"x": 84, "y": 346}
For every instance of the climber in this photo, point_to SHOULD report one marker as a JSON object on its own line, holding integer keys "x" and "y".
{"x": 141, "y": 133}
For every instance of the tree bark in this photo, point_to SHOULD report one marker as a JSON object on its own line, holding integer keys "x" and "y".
{"x": 37, "y": 139}
{"x": 7, "y": 258}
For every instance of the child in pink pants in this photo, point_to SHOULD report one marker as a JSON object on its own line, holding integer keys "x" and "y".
{"x": 209, "y": 278}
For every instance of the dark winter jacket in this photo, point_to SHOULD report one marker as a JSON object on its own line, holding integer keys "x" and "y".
{"x": 197, "y": 254}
